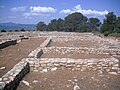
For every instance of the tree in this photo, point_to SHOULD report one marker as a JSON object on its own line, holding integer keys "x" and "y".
{"x": 117, "y": 29}
{"x": 52, "y": 26}
{"x": 109, "y": 24}
{"x": 23, "y": 30}
{"x": 41, "y": 26}
{"x": 73, "y": 20}
{"x": 60, "y": 25}
{"x": 16, "y": 30}
{"x": 95, "y": 22}
{"x": 82, "y": 28}
{"x": 110, "y": 18}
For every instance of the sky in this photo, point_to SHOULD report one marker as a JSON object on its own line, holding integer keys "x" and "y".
{"x": 34, "y": 11}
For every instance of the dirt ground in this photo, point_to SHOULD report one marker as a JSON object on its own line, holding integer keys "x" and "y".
{"x": 11, "y": 55}
{"x": 68, "y": 80}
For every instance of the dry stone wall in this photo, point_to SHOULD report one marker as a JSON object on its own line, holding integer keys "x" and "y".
{"x": 83, "y": 50}
{"x": 6, "y": 43}
{"x": 104, "y": 65}
{"x": 38, "y": 51}
{"x": 11, "y": 79}
{"x": 46, "y": 43}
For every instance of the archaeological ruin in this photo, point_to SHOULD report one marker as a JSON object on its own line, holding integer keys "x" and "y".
{"x": 63, "y": 51}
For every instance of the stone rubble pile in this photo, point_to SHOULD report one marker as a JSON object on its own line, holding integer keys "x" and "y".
{"x": 104, "y": 65}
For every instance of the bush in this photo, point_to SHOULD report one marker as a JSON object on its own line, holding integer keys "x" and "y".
{"x": 22, "y": 30}
{"x": 3, "y": 30}
{"x": 106, "y": 33}
{"x": 16, "y": 30}
{"x": 115, "y": 34}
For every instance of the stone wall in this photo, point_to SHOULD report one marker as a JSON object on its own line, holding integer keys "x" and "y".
{"x": 46, "y": 43}
{"x": 38, "y": 51}
{"x": 104, "y": 65}
{"x": 6, "y": 43}
{"x": 83, "y": 50}
{"x": 11, "y": 79}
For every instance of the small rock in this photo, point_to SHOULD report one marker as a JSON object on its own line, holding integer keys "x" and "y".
{"x": 35, "y": 81}
{"x": 76, "y": 87}
{"x": 11, "y": 78}
{"x": 35, "y": 70}
{"x": 67, "y": 85}
{"x": 118, "y": 72}
{"x": 44, "y": 70}
{"x": 69, "y": 80}
{"x": 75, "y": 80}
{"x": 114, "y": 73}
{"x": 92, "y": 77}
{"x": 5, "y": 79}
{"x": 26, "y": 83}
{"x": 54, "y": 69}
{"x": 3, "y": 68}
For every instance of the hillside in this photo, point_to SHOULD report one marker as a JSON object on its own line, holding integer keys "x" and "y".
{"x": 17, "y": 26}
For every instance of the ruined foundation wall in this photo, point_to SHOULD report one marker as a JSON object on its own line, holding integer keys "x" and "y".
{"x": 38, "y": 51}
{"x": 6, "y": 43}
{"x": 11, "y": 79}
{"x": 83, "y": 50}
{"x": 109, "y": 65}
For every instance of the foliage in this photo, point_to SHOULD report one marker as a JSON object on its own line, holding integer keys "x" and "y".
{"x": 23, "y": 30}
{"x": 3, "y": 30}
{"x": 73, "y": 21}
{"x": 16, "y": 30}
{"x": 41, "y": 26}
{"x": 77, "y": 22}
{"x": 111, "y": 25}
{"x": 94, "y": 24}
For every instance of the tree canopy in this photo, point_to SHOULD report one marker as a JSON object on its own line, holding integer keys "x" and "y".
{"x": 77, "y": 22}
{"x": 41, "y": 26}
{"x": 111, "y": 24}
